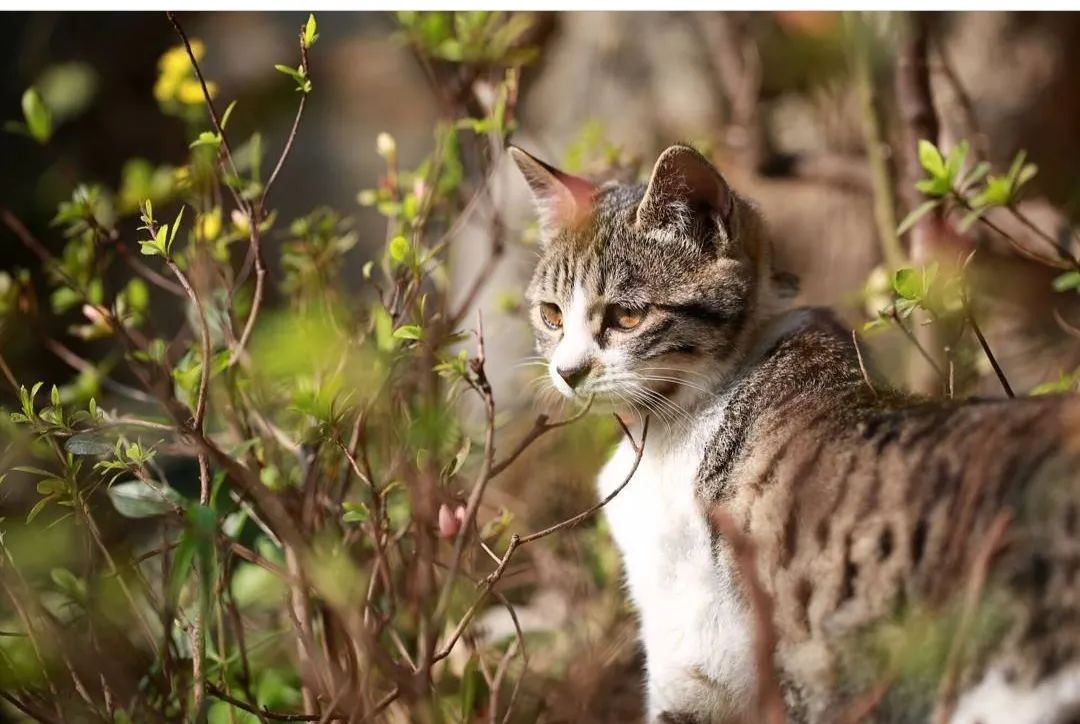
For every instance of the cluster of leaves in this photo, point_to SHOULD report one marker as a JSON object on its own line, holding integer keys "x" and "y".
{"x": 302, "y": 470}
{"x": 973, "y": 189}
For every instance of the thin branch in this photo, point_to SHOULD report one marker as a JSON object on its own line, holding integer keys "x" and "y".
{"x": 204, "y": 332}
{"x": 986, "y": 350}
{"x": 217, "y": 693}
{"x": 483, "y": 387}
{"x": 214, "y": 118}
{"x": 539, "y": 428}
{"x": 862, "y": 365}
{"x": 976, "y": 581}
{"x": 76, "y": 362}
{"x": 295, "y": 125}
{"x": 770, "y": 702}
{"x": 639, "y": 450}
{"x": 517, "y": 541}
{"x": 881, "y": 181}
{"x": 918, "y": 345}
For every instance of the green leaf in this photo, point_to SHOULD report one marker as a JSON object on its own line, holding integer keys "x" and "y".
{"x": 931, "y": 160}
{"x": 137, "y": 499}
{"x": 934, "y": 186}
{"x": 206, "y": 138}
{"x": 38, "y": 507}
{"x": 88, "y": 443}
{"x": 51, "y": 486}
{"x": 355, "y": 513}
{"x": 183, "y": 557}
{"x": 907, "y": 283}
{"x": 1016, "y": 166}
{"x": 1026, "y": 174}
{"x": 956, "y": 159}
{"x": 149, "y": 248}
{"x": 399, "y": 249}
{"x": 172, "y": 231}
{"x": 976, "y": 175}
{"x": 225, "y": 116}
{"x": 408, "y": 331}
{"x": 310, "y": 31}
{"x": 39, "y": 122}
{"x": 1067, "y": 281}
{"x": 917, "y": 213}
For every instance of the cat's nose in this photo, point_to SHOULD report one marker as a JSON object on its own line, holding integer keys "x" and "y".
{"x": 574, "y": 376}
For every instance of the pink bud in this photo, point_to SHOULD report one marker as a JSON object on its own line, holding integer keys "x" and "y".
{"x": 93, "y": 314}
{"x": 449, "y": 523}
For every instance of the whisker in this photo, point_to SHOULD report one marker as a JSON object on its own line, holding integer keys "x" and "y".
{"x": 679, "y": 369}
{"x": 670, "y": 405}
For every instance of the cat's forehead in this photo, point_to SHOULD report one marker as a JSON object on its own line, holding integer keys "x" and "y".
{"x": 608, "y": 255}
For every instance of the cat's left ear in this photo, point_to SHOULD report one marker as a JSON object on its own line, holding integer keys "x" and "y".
{"x": 562, "y": 200}
{"x": 686, "y": 189}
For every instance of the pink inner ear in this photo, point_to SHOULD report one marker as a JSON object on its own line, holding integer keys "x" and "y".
{"x": 575, "y": 203}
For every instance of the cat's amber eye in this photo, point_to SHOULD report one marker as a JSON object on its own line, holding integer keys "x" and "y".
{"x": 551, "y": 314}
{"x": 625, "y": 318}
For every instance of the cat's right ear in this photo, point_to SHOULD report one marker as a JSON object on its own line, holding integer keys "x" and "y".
{"x": 563, "y": 201}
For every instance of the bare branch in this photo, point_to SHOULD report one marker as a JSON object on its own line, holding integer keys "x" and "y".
{"x": 770, "y": 702}
{"x": 976, "y": 581}
{"x": 517, "y": 541}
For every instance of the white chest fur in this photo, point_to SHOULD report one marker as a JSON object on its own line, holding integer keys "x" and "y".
{"x": 697, "y": 635}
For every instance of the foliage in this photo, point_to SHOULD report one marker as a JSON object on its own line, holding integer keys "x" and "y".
{"x": 301, "y": 494}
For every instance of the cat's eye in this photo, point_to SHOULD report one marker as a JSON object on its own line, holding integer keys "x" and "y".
{"x": 625, "y": 318}
{"x": 551, "y": 314}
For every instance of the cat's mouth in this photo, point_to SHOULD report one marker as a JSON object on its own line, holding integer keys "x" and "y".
{"x": 619, "y": 391}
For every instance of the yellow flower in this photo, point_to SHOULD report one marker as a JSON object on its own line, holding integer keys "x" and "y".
{"x": 190, "y": 92}
{"x": 176, "y": 80}
{"x": 209, "y": 225}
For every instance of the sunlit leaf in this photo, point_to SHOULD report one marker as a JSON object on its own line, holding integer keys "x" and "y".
{"x": 310, "y": 31}
{"x": 137, "y": 499}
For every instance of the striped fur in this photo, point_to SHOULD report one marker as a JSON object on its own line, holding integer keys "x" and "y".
{"x": 868, "y": 507}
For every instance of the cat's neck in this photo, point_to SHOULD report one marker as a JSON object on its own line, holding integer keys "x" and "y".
{"x": 755, "y": 365}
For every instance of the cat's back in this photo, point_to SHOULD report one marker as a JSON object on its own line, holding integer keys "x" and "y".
{"x": 866, "y": 504}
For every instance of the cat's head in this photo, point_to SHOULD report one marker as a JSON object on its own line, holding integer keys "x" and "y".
{"x": 641, "y": 289}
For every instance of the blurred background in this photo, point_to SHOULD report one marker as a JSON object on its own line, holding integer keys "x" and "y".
{"x": 772, "y": 97}
{"x": 784, "y": 103}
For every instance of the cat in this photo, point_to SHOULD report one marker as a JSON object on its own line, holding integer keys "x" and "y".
{"x": 867, "y": 508}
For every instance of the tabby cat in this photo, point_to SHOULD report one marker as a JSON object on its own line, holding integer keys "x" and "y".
{"x": 868, "y": 509}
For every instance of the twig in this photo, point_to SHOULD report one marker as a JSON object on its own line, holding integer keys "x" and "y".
{"x": 770, "y": 702}
{"x": 919, "y": 122}
{"x": 517, "y": 541}
{"x": 986, "y": 350}
{"x": 1066, "y": 260}
{"x": 865, "y": 704}
{"x": 976, "y": 581}
{"x": 295, "y": 125}
{"x": 918, "y": 345}
{"x": 217, "y": 693}
{"x": 1061, "y": 249}
{"x": 539, "y": 428}
{"x": 967, "y": 108}
{"x": 76, "y": 362}
{"x": 214, "y": 118}
{"x": 204, "y": 332}
{"x": 862, "y": 365}
{"x": 483, "y": 387}
{"x": 884, "y": 207}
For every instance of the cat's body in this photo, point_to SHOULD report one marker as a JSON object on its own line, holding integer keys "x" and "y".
{"x": 857, "y": 504}
{"x": 864, "y": 506}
